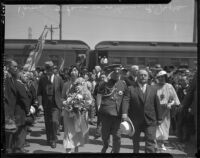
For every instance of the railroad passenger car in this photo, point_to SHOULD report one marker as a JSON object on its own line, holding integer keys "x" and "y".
{"x": 144, "y": 53}
{"x": 71, "y": 50}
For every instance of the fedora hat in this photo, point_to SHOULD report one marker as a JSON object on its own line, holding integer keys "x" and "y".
{"x": 48, "y": 65}
{"x": 127, "y": 127}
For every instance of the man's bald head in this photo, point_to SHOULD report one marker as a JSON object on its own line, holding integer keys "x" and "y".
{"x": 134, "y": 70}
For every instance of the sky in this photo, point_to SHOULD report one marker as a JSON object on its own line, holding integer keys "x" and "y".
{"x": 92, "y": 24}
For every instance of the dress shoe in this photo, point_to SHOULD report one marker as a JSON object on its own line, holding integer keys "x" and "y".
{"x": 103, "y": 150}
{"x": 20, "y": 151}
{"x": 26, "y": 144}
{"x": 9, "y": 151}
{"x": 53, "y": 145}
{"x": 29, "y": 130}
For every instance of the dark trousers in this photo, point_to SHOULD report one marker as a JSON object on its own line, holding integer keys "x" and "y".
{"x": 19, "y": 137}
{"x": 9, "y": 141}
{"x": 91, "y": 112}
{"x": 111, "y": 125}
{"x": 150, "y": 136}
{"x": 51, "y": 118}
{"x": 98, "y": 131}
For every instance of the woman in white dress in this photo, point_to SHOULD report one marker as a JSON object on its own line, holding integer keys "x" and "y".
{"x": 167, "y": 98}
{"x": 75, "y": 124}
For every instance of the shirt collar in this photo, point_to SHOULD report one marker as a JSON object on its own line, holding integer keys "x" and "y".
{"x": 140, "y": 85}
{"x": 9, "y": 74}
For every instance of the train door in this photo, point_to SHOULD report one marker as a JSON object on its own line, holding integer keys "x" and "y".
{"x": 92, "y": 60}
{"x": 102, "y": 58}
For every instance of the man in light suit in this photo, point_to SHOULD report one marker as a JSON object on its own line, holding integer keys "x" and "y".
{"x": 141, "y": 104}
{"x": 49, "y": 96}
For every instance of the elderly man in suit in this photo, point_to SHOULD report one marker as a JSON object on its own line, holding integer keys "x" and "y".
{"x": 17, "y": 109}
{"x": 140, "y": 102}
{"x": 49, "y": 96}
{"x": 109, "y": 99}
{"x": 10, "y": 101}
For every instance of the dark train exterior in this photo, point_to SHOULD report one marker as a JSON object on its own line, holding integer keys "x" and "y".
{"x": 118, "y": 52}
{"x": 70, "y": 50}
{"x": 144, "y": 53}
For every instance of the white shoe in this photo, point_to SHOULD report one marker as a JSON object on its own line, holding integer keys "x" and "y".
{"x": 163, "y": 147}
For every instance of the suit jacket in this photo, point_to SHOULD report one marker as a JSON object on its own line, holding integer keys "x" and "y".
{"x": 46, "y": 89}
{"x": 65, "y": 90}
{"x": 142, "y": 107}
{"x": 9, "y": 97}
{"x": 190, "y": 100}
{"x": 22, "y": 104}
{"x": 130, "y": 81}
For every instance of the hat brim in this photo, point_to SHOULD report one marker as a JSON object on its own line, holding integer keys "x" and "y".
{"x": 132, "y": 127}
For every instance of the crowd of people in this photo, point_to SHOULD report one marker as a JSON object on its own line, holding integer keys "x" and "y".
{"x": 155, "y": 100}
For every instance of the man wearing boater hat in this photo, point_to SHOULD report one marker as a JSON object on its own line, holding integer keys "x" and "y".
{"x": 144, "y": 111}
{"x": 109, "y": 98}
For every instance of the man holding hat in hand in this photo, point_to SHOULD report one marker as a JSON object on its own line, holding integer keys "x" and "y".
{"x": 109, "y": 98}
{"x": 141, "y": 104}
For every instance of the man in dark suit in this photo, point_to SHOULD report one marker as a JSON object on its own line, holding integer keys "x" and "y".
{"x": 10, "y": 101}
{"x": 132, "y": 78}
{"x": 49, "y": 96}
{"x": 109, "y": 98}
{"x": 190, "y": 101}
{"x": 141, "y": 104}
{"x": 16, "y": 109}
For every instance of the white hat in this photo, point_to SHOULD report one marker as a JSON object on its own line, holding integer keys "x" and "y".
{"x": 161, "y": 73}
{"x": 127, "y": 127}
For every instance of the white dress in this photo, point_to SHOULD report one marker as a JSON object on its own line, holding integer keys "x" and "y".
{"x": 75, "y": 126}
{"x": 165, "y": 94}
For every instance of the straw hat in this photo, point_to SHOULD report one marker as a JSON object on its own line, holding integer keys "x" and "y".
{"x": 127, "y": 127}
{"x": 161, "y": 73}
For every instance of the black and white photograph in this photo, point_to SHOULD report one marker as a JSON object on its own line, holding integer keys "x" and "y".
{"x": 100, "y": 78}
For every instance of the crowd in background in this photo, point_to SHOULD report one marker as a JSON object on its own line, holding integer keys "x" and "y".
{"x": 183, "y": 126}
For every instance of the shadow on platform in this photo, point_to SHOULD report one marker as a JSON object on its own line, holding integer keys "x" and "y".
{"x": 47, "y": 152}
{"x": 37, "y": 133}
{"x": 95, "y": 141}
{"x": 38, "y": 141}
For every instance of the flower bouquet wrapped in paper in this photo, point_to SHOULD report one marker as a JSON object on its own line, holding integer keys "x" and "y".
{"x": 79, "y": 98}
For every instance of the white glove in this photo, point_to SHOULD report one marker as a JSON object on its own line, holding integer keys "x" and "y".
{"x": 32, "y": 110}
{"x": 40, "y": 108}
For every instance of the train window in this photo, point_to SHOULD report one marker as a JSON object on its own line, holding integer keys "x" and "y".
{"x": 115, "y": 60}
{"x": 175, "y": 61}
{"x": 130, "y": 60}
{"x": 54, "y": 59}
{"x": 152, "y": 61}
{"x": 185, "y": 61}
{"x": 81, "y": 59}
{"x": 141, "y": 60}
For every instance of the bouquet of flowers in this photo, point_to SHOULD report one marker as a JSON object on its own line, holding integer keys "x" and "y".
{"x": 78, "y": 99}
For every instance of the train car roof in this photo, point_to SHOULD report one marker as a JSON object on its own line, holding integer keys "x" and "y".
{"x": 49, "y": 44}
{"x": 146, "y": 46}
